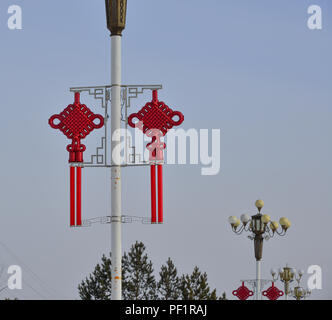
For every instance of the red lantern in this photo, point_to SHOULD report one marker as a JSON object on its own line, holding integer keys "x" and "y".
{"x": 155, "y": 119}
{"x": 76, "y": 122}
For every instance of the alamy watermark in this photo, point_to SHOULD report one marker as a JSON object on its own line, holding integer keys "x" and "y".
{"x": 315, "y": 278}
{"x": 14, "y": 281}
{"x": 195, "y": 147}
{"x": 315, "y": 18}
{"x": 15, "y": 19}
{"x": 314, "y": 21}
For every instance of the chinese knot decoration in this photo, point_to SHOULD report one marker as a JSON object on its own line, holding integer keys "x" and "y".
{"x": 273, "y": 293}
{"x": 243, "y": 293}
{"x": 76, "y": 122}
{"x": 155, "y": 119}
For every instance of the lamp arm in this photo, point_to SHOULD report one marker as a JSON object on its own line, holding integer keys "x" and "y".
{"x": 247, "y": 227}
{"x": 270, "y": 232}
{"x": 281, "y": 233}
{"x": 238, "y": 231}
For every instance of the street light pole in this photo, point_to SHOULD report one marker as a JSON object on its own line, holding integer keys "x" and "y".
{"x": 286, "y": 275}
{"x": 116, "y": 20}
{"x": 258, "y": 279}
{"x": 258, "y": 226}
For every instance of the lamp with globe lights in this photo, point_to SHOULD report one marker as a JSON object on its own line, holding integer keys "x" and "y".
{"x": 261, "y": 228}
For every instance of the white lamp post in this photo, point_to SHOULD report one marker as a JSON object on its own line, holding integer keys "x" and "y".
{"x": 116, "y": 21}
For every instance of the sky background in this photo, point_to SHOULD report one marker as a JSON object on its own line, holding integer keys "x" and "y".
{"x": 249, "y": 68}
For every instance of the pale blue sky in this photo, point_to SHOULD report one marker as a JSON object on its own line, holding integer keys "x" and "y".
{"x": 250, "y": 68}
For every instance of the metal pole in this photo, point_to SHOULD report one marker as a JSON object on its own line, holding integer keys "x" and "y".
{"x": 286, "y": 290}
{"x": 116, "y": 21}
{"x": 116, "y": 170}
{"x": 258, "y": 279}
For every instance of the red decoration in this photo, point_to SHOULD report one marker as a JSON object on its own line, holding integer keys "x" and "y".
{"x": 76, "y": 122}
{"x": 243, "y": 293}
{"x": 156, "y": 115}
{"x": 155, "y": 119}
{"x": 273, "y": 293}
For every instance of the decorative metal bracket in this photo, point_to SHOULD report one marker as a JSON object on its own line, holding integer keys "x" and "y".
{"x": 103, "y": 94}
{"x": 110, "y": 219}
{"x": 253, "y": 283}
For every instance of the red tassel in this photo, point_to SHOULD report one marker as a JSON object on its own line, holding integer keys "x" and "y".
{"x": 160, "y": 194}
{"x": 72, "y": 196}
{"x": 79, "y": 197}
{"x": 153, "y": 194}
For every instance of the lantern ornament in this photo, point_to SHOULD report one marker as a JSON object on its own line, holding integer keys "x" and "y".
{"x": 273, "y": 293}
{"x": 242, "y": 292}
{"x": 155, "y": 119}
{"x": 76, "y": 122}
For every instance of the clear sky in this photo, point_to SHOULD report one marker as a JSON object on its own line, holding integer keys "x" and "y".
{"x": 249, "y": 68}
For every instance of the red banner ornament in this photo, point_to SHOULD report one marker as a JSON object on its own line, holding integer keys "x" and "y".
{"x": 273, "y": 293}
{"x": 155, "y": 119}
{"x": 243, "y": 293}
{"x": 76, "y": 122}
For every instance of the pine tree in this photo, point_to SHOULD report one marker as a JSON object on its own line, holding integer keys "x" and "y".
{"x": 195, "y": 287}
{"x": 169, "y": 283}
{"x": 98, "y": 285}
{"x": 223, "y": 296}
{"x": 139, "y": 282}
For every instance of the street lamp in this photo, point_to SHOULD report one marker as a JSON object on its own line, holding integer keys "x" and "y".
{"x": 298, "y": 292}
{"x": 261, "y": 227}
{"x": 288, "y": 275}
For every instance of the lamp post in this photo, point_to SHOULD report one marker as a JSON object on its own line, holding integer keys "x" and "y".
{"x": 288, "y": 275}
{"x": 116, "y": 22}
{"x": 261, "y": 228}
{"x": 298, "y": 292}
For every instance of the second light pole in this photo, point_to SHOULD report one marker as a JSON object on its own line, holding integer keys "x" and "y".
{"x": 261, "y": 228}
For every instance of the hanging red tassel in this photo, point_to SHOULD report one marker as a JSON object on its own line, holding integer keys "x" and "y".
{"x": 79, "y": 196}
{"x": 153, "y": 194}
{"x": 76, "y": 122}
{"x": 155, "y": 119}
{"x": 72, "y": 196}
{"x": 160, "y": 194}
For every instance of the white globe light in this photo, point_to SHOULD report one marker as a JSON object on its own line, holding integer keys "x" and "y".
{"x": 245, "y": 218}
{"x": 301, "y": 272}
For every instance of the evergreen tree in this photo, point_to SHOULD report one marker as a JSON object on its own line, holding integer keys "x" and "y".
{"x": 98, "y": 285}
{"x": 195, "y": 287}
{"x": 139, "y": 282}
{"x": 169, "y": 283}
{"x": 223, "y": 296}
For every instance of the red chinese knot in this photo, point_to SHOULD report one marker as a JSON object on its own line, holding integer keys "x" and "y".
{"x": 156, "y": 115}
{"x": 243, "y": 293}
{"x": 273, "y": 293}
{"x": 76, "y": 122}
{"x": 155, "y": 119}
